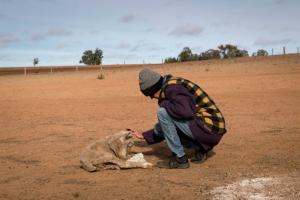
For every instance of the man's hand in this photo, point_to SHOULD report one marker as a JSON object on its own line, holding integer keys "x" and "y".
{"x": 137, "y": 134}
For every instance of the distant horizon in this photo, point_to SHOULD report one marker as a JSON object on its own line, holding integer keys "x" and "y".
{"x": 275, "y": 52}
{"x": 104, "y": 65}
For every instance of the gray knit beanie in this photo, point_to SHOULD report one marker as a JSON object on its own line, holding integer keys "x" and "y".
{"x": 150, "y": 81}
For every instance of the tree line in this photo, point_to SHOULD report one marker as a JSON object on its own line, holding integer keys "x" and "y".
{"x": 226, "y": 51}
{"x": 222, "y": 52}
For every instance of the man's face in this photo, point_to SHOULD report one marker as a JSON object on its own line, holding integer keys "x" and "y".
{"x": 156, "y": 95}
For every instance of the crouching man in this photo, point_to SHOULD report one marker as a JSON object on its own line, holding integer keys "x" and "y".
{"x": 187, "y": 118}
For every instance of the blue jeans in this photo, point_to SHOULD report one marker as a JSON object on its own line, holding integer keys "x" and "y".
{"x": 167, "y": 128}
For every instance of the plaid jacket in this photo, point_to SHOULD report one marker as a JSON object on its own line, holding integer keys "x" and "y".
{"x": 206, "y": 108}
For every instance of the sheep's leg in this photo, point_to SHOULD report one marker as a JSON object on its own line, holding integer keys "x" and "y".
{"x": 88, "y": 166}
{"x": 111, "y": 166}
{"x": 125, "y": 164}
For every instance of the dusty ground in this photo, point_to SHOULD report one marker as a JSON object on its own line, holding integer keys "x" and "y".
{"x": 47, "y": 119}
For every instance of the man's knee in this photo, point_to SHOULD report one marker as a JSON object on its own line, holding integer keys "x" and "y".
{"x": 162, "y": 113}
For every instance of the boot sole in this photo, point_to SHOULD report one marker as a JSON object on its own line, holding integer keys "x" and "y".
{"x": 196, "y": 161}
{"x": 181, "y": 166}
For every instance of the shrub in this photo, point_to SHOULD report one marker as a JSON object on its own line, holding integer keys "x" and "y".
{"x": 35, "y": 61}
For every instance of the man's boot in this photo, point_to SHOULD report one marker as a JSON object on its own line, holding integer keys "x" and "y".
{"x": 174, "y": 163}
{"x": 199, "y": 157}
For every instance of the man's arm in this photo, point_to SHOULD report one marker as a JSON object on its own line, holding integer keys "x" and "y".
{"x": 149, "y": 136}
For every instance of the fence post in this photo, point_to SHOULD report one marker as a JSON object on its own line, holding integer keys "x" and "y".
{"x": 283, "y": 50}
{"x": 25, "y": 71}
{"x": 51, "y": 70}
{"x": 272, "y": 51}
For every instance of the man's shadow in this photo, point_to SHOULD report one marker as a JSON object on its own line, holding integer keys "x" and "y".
{"x": 161, "y": 150}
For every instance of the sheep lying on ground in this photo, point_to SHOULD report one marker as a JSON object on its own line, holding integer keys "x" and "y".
{"x": 112, "y": 152}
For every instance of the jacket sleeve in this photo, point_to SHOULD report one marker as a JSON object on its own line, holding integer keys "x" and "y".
{"x": 151, "y": 137}
{"x": 179, "y": 103}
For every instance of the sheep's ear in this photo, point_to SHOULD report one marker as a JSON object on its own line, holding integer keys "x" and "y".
{"x": 118, "y": 148}
{"x": 128, "y": 136}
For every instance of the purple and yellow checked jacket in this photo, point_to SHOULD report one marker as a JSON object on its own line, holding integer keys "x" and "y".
{"x": 206, "y": 109}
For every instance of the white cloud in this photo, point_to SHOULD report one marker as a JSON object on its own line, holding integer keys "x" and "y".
{"x": 146, "y": 46}
{"x": 61, "y": 46}
{"x": 280, "y": 1}
{"x": 123, "y": 46}
{"x": 94, "y": 32}
{"x": 269, "y": 42}
{"x": 2, "y": 16}
{"x": 6, "y": 39}
{"x": 187, "y": 30}
{"x": 50, "y": 33}
{"x": 121, "y": 56}
{"x": 5, "y": 1}
{"x": 219, "y": 24}
{"x": 5, "y": 57}
{"x": 127, "y": 18}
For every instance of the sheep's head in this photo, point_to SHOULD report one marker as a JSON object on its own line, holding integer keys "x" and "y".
{"x": 121, "y": 143}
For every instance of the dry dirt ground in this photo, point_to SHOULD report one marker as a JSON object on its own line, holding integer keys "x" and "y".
{"x": 47, "y": 119}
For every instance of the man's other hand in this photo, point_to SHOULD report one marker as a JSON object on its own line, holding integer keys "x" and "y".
{"x": 137, "y": 134}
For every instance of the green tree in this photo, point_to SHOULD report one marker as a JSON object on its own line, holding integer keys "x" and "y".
{"x": 171, "y": 60}
{"x": 185, "y": 55}
{"x": 231, "y": 51}
{"x": 98, "y": 55}
{"x": 240, "y": 53}
{"x": 261, "y": 52}
{"x": 87, "y": 57}
{"x": 35, "y": 61}
{"x": 227, "y": 50}
{"x": 210, "y": 54}
{"x": 194, "y": 57}
{"x": 92, "y": 58}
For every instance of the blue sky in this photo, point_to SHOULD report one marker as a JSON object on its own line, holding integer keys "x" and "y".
{"x": 137, "y": 31}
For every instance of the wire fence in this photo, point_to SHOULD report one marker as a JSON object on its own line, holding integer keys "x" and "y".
{"x": 46, "y": 69}
{"x": 284, "y": 51}
{"x": 55, "y": 69}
